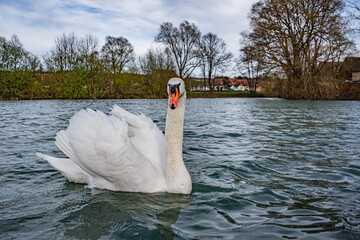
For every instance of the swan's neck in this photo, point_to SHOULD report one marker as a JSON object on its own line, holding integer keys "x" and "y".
{"x": 177, "y": 177}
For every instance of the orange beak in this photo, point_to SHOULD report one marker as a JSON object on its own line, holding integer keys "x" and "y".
{"x": 174, "y": 97}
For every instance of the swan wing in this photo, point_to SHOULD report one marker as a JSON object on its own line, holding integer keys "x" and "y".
{"x": 100, "y": 145}
{"x": 145, "y": 136}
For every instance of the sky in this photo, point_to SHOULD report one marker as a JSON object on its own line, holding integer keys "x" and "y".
{"x": 37, "y": 23}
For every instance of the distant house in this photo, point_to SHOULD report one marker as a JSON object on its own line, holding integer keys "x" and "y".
{"x": 201, "y": 84}
{"x": 218, "y": 84}
{"x": 239, "y": 84}
{"x": 350, "y": 75}
{"x": 343, "y": 76}
{"x": 350, "y": 69}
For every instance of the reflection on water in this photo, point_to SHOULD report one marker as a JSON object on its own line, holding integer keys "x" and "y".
{"x": 108, "y": 210}
{"x": 261, "y": 168}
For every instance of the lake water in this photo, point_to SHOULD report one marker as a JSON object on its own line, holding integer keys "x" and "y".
{"x": 261, "y": 169}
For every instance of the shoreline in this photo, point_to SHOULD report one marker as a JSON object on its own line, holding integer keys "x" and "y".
{"x": 189, "y": 95}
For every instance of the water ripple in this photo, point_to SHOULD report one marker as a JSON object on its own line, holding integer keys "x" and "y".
{"x": 261, "y": 169}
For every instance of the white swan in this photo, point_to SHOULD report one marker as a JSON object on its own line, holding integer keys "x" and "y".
{"x": 126, "y": 152}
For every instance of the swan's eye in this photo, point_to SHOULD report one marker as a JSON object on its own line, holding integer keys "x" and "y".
{"x": 174, "y": 88}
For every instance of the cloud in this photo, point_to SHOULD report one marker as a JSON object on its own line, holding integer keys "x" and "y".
{"x": 37, "y": 23}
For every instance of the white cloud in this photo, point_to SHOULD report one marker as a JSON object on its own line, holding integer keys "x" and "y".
{"x": 37, "y": 23}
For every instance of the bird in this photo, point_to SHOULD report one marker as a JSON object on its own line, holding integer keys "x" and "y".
{"x": 126, "y": 152}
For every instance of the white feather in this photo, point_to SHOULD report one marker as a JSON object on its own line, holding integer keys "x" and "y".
{"x": 100, "y": 147}
{"x": 67, "y": 168}
{"x": 146, "y": 137}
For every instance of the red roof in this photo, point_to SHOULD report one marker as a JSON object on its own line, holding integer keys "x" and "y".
{"x": 239, "y": 82}
{"x": 232, "y": 80}
{"x": 217, "y": 81}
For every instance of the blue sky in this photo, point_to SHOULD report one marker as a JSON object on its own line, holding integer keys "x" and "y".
{"x": 37, "y": 23}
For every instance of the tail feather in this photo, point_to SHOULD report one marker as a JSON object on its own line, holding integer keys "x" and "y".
{"x": 68, "y": 168}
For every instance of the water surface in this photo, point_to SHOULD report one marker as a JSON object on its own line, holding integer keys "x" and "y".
{"x": 261, "y": 169}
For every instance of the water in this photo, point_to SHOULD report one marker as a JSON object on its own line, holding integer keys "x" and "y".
{"x": 261, "y": 169}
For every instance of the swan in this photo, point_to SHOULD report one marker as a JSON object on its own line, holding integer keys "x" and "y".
{"x": 126, "y": 152}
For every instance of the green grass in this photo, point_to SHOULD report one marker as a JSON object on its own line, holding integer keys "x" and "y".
{"x": 222, "y": 92}
{"x": 233, "y": 92}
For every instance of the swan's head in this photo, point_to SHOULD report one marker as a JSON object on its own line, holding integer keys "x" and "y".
{"x": 176, "y": 89}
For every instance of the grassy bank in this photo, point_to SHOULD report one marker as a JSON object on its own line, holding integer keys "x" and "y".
{"x": 24, "y": 85}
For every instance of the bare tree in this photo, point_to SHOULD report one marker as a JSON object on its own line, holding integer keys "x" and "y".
{"x": 158, "y": 67}
{"x": 17, "y": 53}
{"x": 156, "y": 59}
{"x": 182, "y": 43}
{"x": 354, "y": 9}
{"x": 3, "y": 53}
{"x": 64, "y": 55}
{"x": 49, "y": 62}
{"x": 116, "y": 53}
{"x": 88, "y": 52}
{"x": 295, "y": 36}
{"x": 213, "y": 55}
{"x": 13, "y": 56}
{"x": 251, "y": 62}
{"x": 33, "y": 62}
